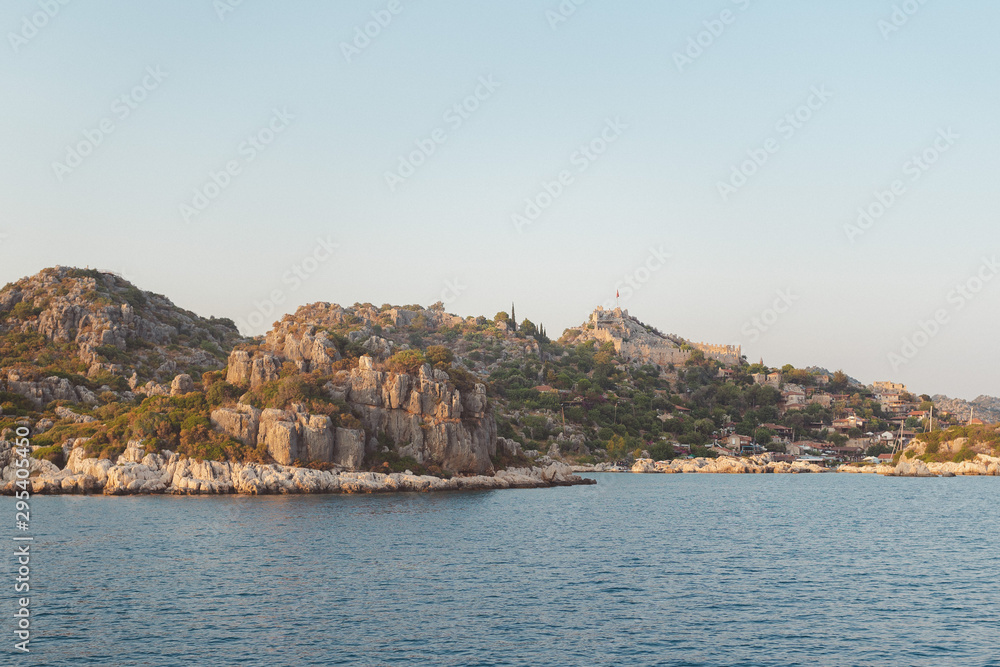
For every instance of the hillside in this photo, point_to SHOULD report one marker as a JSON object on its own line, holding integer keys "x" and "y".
{"x": 99, "y": 332}
{"x": 986, "y": 408}
{"x": 89, "y": 361}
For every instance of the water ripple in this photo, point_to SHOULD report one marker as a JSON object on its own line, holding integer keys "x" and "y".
{"x": 637, "y": 570}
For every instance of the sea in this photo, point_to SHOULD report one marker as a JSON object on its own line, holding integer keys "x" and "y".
{"x": 692, "y": 569}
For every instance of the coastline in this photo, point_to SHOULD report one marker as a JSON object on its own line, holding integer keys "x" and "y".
{"x": 982, "y": 465}
{"x": 138, "y": 473}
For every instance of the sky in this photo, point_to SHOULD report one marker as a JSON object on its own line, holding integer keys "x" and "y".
{"x": 812, "y": 181}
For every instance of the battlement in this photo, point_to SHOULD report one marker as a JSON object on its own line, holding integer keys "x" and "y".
{"x": 639, "y": 342}
{"x": 602, "y": 315}
{"x": 730, "y": 354}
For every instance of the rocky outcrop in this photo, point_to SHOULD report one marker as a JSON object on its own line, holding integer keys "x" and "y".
{"x": 509, "y": 448}
{"x": 241, "y": 422}
{"x": 424, "y": 416}
{"x": 181, "y": 384}
{"x": 42, "y": 392}
{"x": 139, "y": 472}
{"x": 721, "y": 465}
{"x": 982, "y": 464}
{"x": 112, "y": 326}
{"x": 238, "y": 368}
{"x": 292, "y": 435}
{"x": 279, "y": 434}
{"x": 349, "y": 450}
{"x": 70, "y": 416}
{"x": 153, "y": 389}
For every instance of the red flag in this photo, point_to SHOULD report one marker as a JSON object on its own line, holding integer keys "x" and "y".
{"x": 616, "y": 294}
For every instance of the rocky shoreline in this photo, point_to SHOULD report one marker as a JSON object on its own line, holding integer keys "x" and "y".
{"x": 136, "y": 473}
{"x": 982, "y": 465}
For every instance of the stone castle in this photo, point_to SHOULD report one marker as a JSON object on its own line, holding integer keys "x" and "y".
{"x": 639, "y": 342}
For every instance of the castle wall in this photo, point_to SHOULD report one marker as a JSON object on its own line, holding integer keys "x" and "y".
{"x": 632, "y": 340}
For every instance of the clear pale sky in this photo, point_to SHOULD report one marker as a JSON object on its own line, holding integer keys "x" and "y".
{"x": 446, "y": 232}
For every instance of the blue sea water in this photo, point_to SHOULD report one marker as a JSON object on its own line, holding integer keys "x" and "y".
{"x": 636, "y": 570}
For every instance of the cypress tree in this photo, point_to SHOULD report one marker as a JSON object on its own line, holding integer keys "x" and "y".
{"x": 513, "y": 318}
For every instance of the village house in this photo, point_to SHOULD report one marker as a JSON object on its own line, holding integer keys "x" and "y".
{"x": 845, "y": 453}
{"x": 793, "y": 397}
{"x": 736, "y": 441}
{"x": 770, "y": 379}
{"x": 781, "y": 433}
{"x": 847, "y": 423}
{"x": 804, "y": 447}
{"x": 823, "y": 399}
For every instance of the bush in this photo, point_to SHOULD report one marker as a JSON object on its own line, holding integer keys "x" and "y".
{"x": 24, "y": 311}
{"x": 662, "y": 451}
{"x": 221, "y": 392}
{"x": 463, "y": 380}
{"x": 966, "y": 453}
{"x": 52, "y": 453}
{"x": 439, "y": 356}
{"x": 392, "y": 462}
{"x": 406, "y": 361}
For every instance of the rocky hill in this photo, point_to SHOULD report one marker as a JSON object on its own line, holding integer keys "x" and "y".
{"x": 89, "y": 359}
{"x": 67, "y": 332}
{"x": 986, "y": 408}
{"x": 96, "y": 367}
{"x": 407, "y": 384}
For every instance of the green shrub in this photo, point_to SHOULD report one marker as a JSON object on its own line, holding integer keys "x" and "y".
{"x": 52, "y": 453}
{"x": 439, "y": 356}
{"x": 23, "y": 310}
{"x": 966, "y": 453}
{"x": 222, "y": 392}
{"x": 406, "y": 361}
{"x": 134, "y": 296}
{"x": 662, "y": 451}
